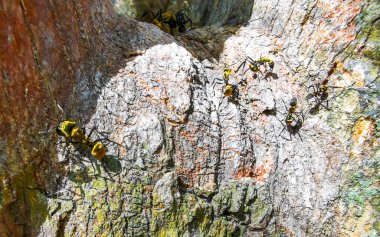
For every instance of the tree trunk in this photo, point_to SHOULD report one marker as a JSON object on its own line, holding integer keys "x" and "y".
{"x": 182, "y": 158}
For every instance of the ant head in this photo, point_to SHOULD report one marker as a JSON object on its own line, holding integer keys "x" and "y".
{"x": 227, "y": 73}
{"x": 293, "y": 101}
{"x": 59, "y": 131}
{"x": 271, "y": 65}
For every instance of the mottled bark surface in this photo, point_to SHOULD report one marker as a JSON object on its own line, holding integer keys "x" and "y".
{"x": 183, "y": 159}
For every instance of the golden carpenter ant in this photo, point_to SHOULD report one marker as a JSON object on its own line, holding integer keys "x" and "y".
{"x": 293, "y": 120}
{"x": 179, "y": 19}
{"x": 320, "y": 92}
{"x": 231, "y": 85}
{"x": 254, "y": 65}
{"x": 275, "y": 50}
{"x": 75, "y": 135}
{"x": 266, "y": 60}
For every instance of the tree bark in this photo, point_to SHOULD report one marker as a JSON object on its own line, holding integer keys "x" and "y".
{"x": 182, "y": 158}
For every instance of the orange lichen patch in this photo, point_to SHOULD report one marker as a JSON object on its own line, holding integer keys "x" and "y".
{"x": 188, "y": 136}
{"x": 361, "y": 136}
{"x": 148, "y": 188}
{"x": 285, "y": 230}
{"x": 338, "y": 28}
{"x": 232, "y": 156}
{"x": 260, "y": 174}
{"x": 340, "y": 67}
{"x": 363, "y": 129}
{"x": 245, "y": 173}
{"x": 356, "y": 225}
{"x": 122, "y": 151}
{"x": 187, "y": 176}
{"x": 355, "y": 77}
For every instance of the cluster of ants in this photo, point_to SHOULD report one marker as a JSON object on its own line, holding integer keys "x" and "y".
{"x": 231, "y": 86}
{"x": 319, "y": 93}
{"x": 179, "y": 19}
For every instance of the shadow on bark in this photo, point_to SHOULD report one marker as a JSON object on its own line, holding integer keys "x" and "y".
{"x": 214, "y": 22}
{"x": 51, "y": 59}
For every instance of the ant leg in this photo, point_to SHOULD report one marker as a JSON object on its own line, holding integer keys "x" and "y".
{"x": 303, "y": 115}
{"x": 262, "y": 75}
{"x": 78, "y": 149}
{"x": 105, "y": 138}
{"x": 299, "y": 136}
{"x": 283, "y": 125}
{"x": 188, "y": 20}
{"x": 214, "y": 83}
{"x": 308, "y": 89}
{"x": 250, "y": 60}
{"x": 158, "y": 15}
{"x": 246, "y": 70}
{"x": 145, "y": 13}
{"x": 283, "y": 128}
{"x": 325, "y": 106}
{"x": 92, "y": 130}
{"x": 280, "y": 113}
{"x": 237, "y": 93}
{"x": 288, "y": 139}
{"x": 68, "y": 142}
{"x": 281, "y": 131}
{"x": 95, "y": 167}
{"x": 290, "y": 135}
{"x": 48, "y": 131}
{"x": 286, "y": 107}
{"x": 242, "y": 64}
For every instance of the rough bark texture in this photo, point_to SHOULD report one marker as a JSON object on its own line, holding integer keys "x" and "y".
{"x": 183, "y": 159}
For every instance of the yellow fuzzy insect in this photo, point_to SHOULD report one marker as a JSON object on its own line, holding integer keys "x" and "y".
{"x": 74, "y": 134}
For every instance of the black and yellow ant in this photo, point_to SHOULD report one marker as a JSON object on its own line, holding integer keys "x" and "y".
{"x": 266, "y": 60}
{"x": 76, "y": 135}
{"x": 254, "y": 65}
{"x": 320, "y": 92}
{"x": 230, "y": 89}
{"x": 179, "y": 19}
{"x": 293, "y": 120}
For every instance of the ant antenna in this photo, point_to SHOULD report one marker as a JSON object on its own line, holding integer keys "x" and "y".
{"x": 48, "y": 131}
{"x": 167, "y": 5}
{"x": 59, "y": 107}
